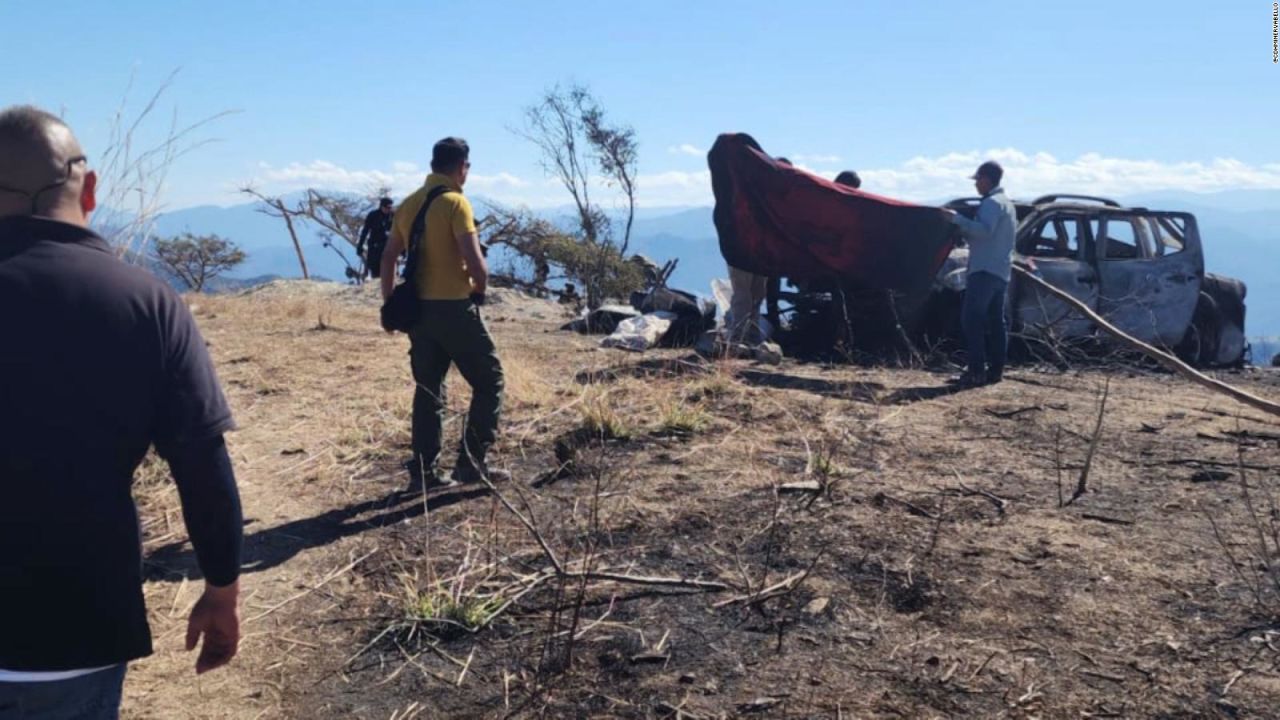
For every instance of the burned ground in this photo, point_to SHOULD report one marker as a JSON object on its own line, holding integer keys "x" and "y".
{"x": 732, "y": 539}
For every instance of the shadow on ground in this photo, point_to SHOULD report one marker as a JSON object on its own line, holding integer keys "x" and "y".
{"x": 868, "y": 392}
{"x": 909, "y": 395}
{"x": 650, "y": 368}
{"x": 269, "y": 547}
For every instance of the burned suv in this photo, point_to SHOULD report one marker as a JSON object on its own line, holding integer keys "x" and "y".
{"x": 1143, "y": 270}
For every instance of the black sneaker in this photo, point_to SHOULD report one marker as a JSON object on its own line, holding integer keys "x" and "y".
{"x": 969, "y": 380}
{"x": 994, "y": 377}
{"x": 467, "y": 473}
{"x": 430, "y": 479}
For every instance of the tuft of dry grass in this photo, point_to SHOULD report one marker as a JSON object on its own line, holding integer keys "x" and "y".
{"x": 823, "y": 466}
{"x": 600, "y": 417}
{"x": 448, "y": 605}
{"x": 679, "y": 418}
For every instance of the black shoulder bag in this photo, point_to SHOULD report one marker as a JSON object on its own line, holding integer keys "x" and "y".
{"x": 401, "y": 310}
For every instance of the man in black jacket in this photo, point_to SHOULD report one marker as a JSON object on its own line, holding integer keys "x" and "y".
{"x": 100, "y": 361}
{"x": 377, "y": 224}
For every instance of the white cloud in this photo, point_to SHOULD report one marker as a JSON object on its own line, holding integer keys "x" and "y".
{"x": 686, "y": 149}
{"x": 1027, "y": 175}
{"x": 920, "y": 178}
{"x": 402, "y": 178}
{"x": 327, "y": 175}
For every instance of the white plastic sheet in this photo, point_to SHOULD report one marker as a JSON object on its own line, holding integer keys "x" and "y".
{"x": 638, "y": 334}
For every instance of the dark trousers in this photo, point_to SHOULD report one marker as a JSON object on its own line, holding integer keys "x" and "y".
{"x": 95, "y": 696}
{"x": 986, "y": 334}
{"x": 451, "y": 332}
{"x": 373, "y": 259}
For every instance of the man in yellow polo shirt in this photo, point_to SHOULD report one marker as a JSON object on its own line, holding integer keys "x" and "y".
{"x": 452, "y": 278}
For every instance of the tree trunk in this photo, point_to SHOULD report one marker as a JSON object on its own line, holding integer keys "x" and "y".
{"x": 297, "y": 246}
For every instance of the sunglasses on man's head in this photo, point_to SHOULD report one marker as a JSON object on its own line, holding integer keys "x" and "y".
{"x": 35, "y": 196}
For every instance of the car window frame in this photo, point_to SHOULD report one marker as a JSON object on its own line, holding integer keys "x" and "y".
{"x": 1145, "y": 250}
{"x": 1061, "y": 215}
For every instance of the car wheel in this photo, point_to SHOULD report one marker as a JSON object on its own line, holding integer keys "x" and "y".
{"x": 1199, "y": 346}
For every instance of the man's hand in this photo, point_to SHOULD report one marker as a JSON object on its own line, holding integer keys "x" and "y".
{"x": 216, "y": 616}
{"x": 948, "y": 214}
{"x": 477, "y": 298}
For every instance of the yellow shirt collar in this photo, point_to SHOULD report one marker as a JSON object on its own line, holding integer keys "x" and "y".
{"x": 435, "y": 179}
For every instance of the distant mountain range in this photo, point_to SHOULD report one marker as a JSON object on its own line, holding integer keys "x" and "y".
{"x": 1240, "y": 230}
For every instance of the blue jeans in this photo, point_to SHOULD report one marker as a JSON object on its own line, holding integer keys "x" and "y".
{"x": 95, "y": 696}
{"x": 986, "y": 335}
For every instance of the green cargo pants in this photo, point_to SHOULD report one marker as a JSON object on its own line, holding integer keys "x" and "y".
{"x": 451, "y": 332}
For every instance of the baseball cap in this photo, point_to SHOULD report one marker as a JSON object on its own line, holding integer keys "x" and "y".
{"x": 990, "y": 169}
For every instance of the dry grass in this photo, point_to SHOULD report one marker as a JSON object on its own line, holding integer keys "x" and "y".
{"x": 680, "y": 418}
{"x": 943, "y": 579}
{"x": 157, "y": 500}
{"x": 528, "y": 385}
{"x": 601, "y": 416}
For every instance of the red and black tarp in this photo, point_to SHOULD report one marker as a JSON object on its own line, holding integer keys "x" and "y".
{"x": 778, "y": 220}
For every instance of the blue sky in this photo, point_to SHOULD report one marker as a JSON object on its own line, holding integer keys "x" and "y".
{"x": 1110, "y": 97}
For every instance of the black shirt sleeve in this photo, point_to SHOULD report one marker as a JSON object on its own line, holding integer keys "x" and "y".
{"x": 210, "y": 508}
{"x": 191, "y": 417}
{"x": 191, "y": 406}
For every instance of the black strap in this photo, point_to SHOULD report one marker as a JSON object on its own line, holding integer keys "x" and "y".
{"x": 419, "y": 227}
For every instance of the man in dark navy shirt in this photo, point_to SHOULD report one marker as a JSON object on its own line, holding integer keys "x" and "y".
{"x": 98, "y": 362}
{"x": 373, "y": 236}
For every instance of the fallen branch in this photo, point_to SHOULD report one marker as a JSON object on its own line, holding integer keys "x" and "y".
{"x": 1171, "y": 363}
{"x": 528, "y": 524}
{"x": 647, "y": 580}
{"x": 1106, "y": 519}
{"x": 882, "y": 498}
{"x": 1103, "y": 676}
{"x": 1231, "y": 682}
{"x": 1010, "y": 414}
{"x": 774, "y": 589}
{"x": 1000, "y": 503}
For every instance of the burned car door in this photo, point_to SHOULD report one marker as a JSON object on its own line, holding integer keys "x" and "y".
{"x": 1058, "y": 244}
{"x": 1149, "y": 265}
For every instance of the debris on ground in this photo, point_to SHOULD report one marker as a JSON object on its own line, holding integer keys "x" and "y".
{"x": 601, "y": 321}
{"x": 638, "y": 334}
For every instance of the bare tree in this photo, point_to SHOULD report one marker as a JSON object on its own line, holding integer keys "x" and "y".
{"x": 614, "y": 147}
{"x": 542, "y": 252}
{"x": 196, "y": 259}
{"x": 132, "y": 174}
{"x": 571, "y": 131}
{"x": 339, "y": 214}
{"x": 274, "y": 206}
{"x": 340, "y": 217}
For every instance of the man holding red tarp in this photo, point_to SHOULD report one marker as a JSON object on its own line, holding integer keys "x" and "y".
{"x": 991, "y": 236}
